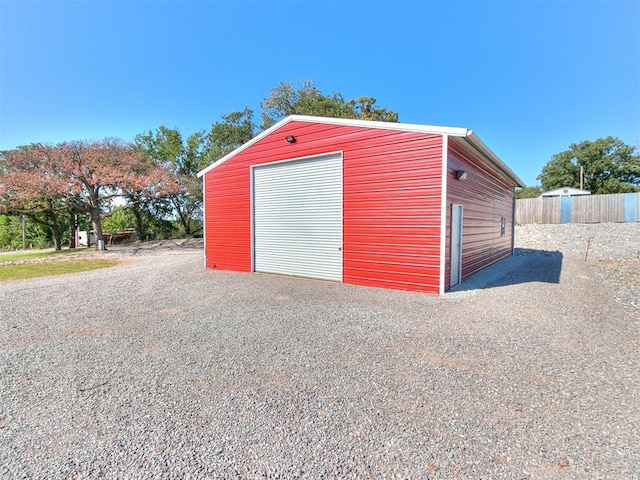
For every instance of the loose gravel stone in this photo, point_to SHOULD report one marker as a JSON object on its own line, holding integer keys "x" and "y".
{"x": 158, "y": 368}
{"x": 612, "y": 248}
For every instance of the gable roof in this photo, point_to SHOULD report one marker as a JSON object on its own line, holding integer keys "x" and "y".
{"x": 565, "y": 191}
{"x": 467, "y": 136}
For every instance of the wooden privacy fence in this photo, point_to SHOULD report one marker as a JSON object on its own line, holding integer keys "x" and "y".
{"x": 617, "y": 207}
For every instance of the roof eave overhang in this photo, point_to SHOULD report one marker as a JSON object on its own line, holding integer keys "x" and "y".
{"x": 474, "y": 141}
{"x": 468, "y": 135}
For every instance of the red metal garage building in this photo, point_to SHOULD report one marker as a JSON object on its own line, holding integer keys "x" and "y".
{"x": 390, "y": 205}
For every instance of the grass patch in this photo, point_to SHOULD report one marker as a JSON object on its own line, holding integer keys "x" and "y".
{"x": 10, "y": 257}
{"x": 31, "y": 270}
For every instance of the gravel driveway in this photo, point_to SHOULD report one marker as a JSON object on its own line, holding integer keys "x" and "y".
{"x": 158, "y": 368}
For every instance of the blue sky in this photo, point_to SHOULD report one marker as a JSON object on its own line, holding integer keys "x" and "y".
{"x": 530, "y": 77}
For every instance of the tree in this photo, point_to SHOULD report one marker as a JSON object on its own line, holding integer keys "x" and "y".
{"x": 364, "y": 108}
{"x": 528, "y": 192}
{"x": 10, "y": 232}
{"x": 11, "y": 227}
{"x": 224, "y": 137}
{"x": 22, "y": 195}
{"x": 609, "y": 166}
{"x": 184, "y": 160}
{"x": 287, "y": 99}
{"x": 82, "y": 176}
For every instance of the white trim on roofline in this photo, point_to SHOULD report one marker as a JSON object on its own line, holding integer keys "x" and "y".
{"x": 244, "y": 146}
{"x": 406, "y": 127}
{"x": 465, "y": 133}
{"x": 477, "y": 143}
{"x": 338, "y": 121}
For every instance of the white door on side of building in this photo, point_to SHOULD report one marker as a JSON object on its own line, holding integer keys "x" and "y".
{"x": 456, "y": 244}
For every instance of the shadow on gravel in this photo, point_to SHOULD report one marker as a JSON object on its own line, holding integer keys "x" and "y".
{"x": 524, "y": 266}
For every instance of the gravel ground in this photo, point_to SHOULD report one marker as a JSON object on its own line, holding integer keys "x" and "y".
{"x": 613, "y": 249}
{"x": 157, "y": 368}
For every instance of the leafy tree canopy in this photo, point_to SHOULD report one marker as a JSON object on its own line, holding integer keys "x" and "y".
{"x": 610, "y": 166}
{"x": 78, "y": 175}
{"x": 529, "y": 192}
{"x": 305, "y": 99}
{"x": 235, "y": 129}
{"x": 183, "y": 158}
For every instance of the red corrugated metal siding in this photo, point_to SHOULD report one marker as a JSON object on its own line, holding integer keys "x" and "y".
{"x": 392, "y": 189}
{"x": 228, "y": 217}
{"x": 486, "y": 198}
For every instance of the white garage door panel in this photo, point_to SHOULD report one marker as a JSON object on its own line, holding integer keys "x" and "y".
{"x": 298, "y": 217}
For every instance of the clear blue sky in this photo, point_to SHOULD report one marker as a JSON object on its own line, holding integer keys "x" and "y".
{"x": 530, "y": 77}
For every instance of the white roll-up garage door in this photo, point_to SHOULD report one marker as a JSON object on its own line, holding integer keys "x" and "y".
{"x": 297, "y": 217}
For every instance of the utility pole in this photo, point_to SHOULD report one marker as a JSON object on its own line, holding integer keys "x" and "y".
{"x": 581, "y": 177}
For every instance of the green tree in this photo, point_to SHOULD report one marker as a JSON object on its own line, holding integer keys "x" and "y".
{"x": 167, "y": 148}
{"x": 118, "y": 220}
{"x": 528, "y": 192}
{"x": 609, "y": 166}
{"x": 36, "y": 234}
{"x": 44, "y": 212}
{"x": 306, "y": 99}
{"x": 235, "y": 129}
{"x": 185, "y": 158}
{"x": 10, "y": 232}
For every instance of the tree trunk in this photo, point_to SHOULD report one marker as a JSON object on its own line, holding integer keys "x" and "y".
{"x": 55, "y": 236}
{"x": 187, "y": 227}
{"x": 52, "y": 223}
{"x": 139, "y": 225}
{"x": 184, "y": 220}
{"x": 96, "y": 216}
{"x": 96, "y": 221}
